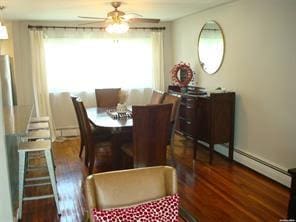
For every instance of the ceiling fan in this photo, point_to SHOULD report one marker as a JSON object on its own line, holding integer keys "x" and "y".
{"x": 117, "y": 21}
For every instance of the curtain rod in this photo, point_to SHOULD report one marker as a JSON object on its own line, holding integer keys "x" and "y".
{"x": 77, "y": 27}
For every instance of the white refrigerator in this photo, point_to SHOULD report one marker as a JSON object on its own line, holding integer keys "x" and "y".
{"x": 6, "y": 209}
{"x": 7, "y": 81}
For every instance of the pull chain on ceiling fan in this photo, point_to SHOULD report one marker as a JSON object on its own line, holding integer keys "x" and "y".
{"x": 117, "y": 21}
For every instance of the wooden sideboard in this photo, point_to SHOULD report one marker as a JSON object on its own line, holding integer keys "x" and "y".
{"x": 208, "y": 118}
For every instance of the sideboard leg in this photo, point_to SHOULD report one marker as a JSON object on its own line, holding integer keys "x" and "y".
{"x": 194, "y": 148}
{"x": 230, "y": 150}
{"x": 211, "y": 152}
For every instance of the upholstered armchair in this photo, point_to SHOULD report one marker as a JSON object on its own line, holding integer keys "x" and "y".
{"x": 129, "y": 187}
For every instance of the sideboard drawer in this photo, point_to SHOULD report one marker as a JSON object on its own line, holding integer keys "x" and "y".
{"x": 187, "y": 127}
{"x": 182, "y": 111}
{"x": 190, "y": 112}
{"x": 190, "y": 101}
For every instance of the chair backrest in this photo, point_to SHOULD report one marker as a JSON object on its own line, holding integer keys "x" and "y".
{"x": 127, "y": 187}
{"x": 156, "y": 97}
{"x": 74, "y": 101}
{"x": 150, "y": 134}
{"x": 175, "y": 100}
{"x": 107, "y": 97}
{"x": 85, "y": 127}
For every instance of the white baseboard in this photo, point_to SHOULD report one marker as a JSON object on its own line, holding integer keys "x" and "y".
{"x": 67, "y": 132}
{"x": 263, "y": 167}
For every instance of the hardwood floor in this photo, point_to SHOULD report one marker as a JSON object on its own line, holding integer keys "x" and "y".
{"x": 222, "y": 191}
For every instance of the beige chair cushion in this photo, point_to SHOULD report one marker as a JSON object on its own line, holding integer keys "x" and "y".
{"x": 128, "y": 187}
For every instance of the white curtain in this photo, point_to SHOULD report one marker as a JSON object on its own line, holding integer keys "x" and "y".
{"x": 40, "y": 88}
{"x": 158, "y": 61}
{"x": 104, "y": 58}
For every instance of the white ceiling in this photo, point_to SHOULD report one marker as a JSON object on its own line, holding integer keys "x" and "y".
{"x": 64, "y": 10}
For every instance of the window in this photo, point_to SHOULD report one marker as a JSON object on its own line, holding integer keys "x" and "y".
{"x": 83, "y": 64}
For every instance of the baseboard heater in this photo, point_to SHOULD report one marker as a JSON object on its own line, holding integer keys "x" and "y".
{"x": 261, "y": 161}
{"x": 254, "y": 163}
{"x": 263, "y": 167}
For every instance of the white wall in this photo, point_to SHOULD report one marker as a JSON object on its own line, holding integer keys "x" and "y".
{"x": 259, "y": 65}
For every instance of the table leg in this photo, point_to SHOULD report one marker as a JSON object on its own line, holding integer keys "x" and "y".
{"x": 118, "y": 139}
{"x": 115, "y": 149}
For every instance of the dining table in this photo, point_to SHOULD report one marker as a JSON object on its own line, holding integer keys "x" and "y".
{"x": 120, "y": 126}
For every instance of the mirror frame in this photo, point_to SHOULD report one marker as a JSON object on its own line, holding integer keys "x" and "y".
{"x": 223, "y": 38}
{"x": 186, "y": 68}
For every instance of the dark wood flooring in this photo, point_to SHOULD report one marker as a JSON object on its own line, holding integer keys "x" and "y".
{"x": 221, "y": 192}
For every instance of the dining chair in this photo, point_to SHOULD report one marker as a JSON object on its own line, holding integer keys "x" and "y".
{"x": 150, "y": 134}
{"x": 175, "y": 100}
{"x": 82, "y": 143}
{"x": 97, "y": 132}
{"x": 92, "y": 140}
{"x": 156, "y": 97}
{"x": 108, "y": 97}
{"x": 129, "y": 188}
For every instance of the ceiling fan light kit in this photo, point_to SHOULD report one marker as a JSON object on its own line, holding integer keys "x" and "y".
{"x": 117, "y": 24}
{"x": 3, "y": 29}
{"x": 118, "y": 21}
{"x": 117, "y": 27}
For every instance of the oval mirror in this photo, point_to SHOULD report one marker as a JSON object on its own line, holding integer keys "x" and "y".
{"x": 211, "y": 47}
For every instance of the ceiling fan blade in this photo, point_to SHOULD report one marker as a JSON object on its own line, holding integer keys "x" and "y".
{"x": 128, "y": 16}
{"x": 89, "y": 23}
{"x": 144, "y": 20}
{"x": 87, "y": 17}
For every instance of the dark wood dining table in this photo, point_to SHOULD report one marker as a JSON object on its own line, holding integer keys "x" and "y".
{"x": 121, "y": 129}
